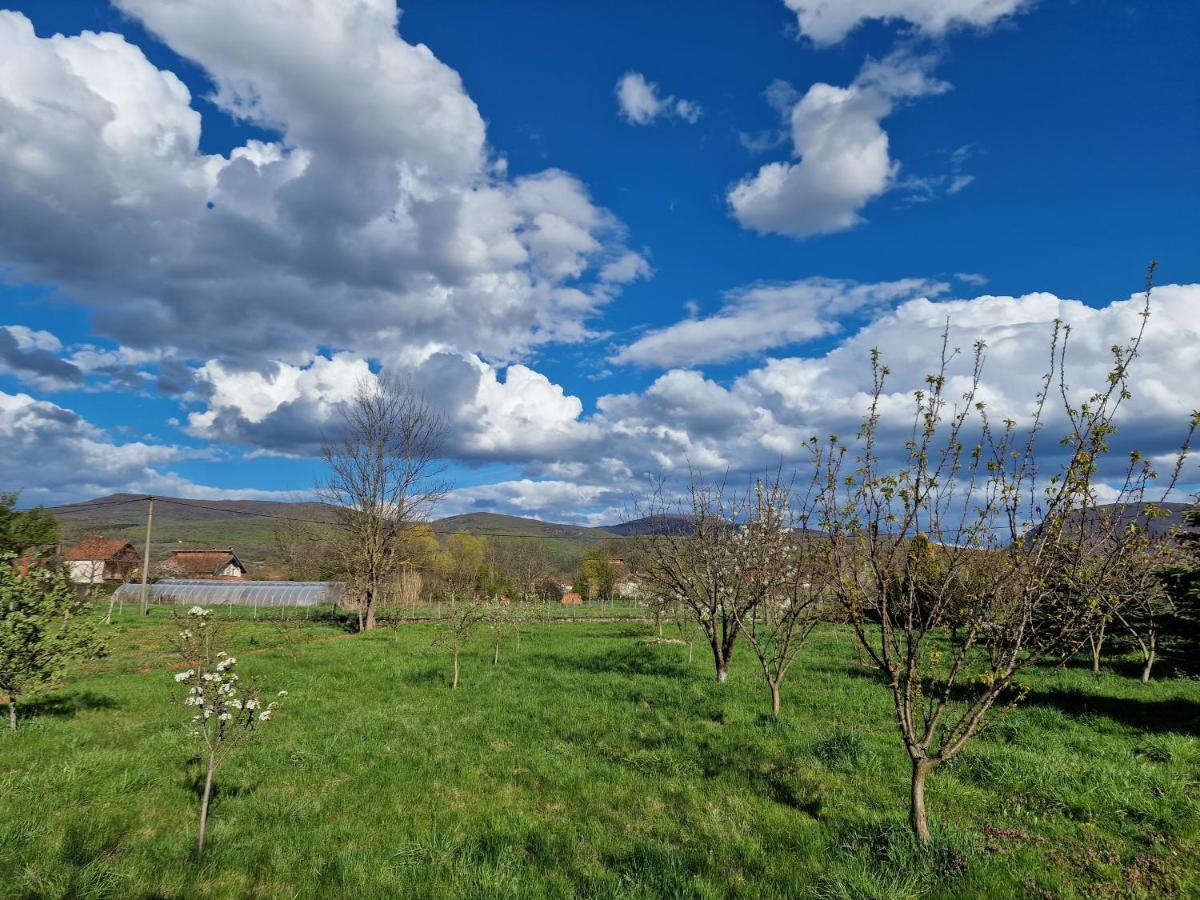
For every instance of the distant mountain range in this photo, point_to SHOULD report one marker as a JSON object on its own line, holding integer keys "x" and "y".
{"x": 122, "y": 507}
{"x": 249, "y": 526}
{"x": 130, "y": 509}
{"x": 1130, "y": 513}
{"x": 495, "y": 523}
{"x": 653, "y": 525}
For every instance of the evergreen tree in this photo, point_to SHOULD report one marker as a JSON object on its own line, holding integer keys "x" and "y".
{"x": 20, "y": 530}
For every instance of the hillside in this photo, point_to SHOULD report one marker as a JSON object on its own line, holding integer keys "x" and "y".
{"x": 187, "y": 523}
{"x": 495, "y": 523}
{"x": 1130, "y": 513}
{"x": 249, "y": 526}
{"x": 1113, "y": 516}
{"x": 670, "y": 524}
{"x": 183, "y": 509}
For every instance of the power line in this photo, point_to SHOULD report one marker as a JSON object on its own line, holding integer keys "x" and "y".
{"x": 82, "y": 507}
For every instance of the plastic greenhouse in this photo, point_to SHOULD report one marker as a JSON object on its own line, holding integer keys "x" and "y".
{"x": 207, "y": 592}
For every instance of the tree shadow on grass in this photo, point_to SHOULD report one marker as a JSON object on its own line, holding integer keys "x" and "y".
{"x": 631, "y": 630}
{"x": 849, "y": 670}
{"x": 794, "y": 792}
{"x": 64, "y": 706}
{"x": 1176, "y": 714}
{"x": 636, "y": 660}
{"x": 1164, "y": 667}
{"x": 193, "y": 782}
{"x": 429, "y": 675}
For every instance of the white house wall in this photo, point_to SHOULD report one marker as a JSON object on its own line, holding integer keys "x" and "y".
{"x": 87, "y": 571}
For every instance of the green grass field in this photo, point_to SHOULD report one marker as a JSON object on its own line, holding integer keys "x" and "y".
{"x": 587, "y": 764}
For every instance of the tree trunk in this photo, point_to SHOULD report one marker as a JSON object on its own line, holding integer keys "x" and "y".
{"x": 1149, "y": 662}
{"x": 12, "y": 712}
{"x": 454, "y": 683}
{"x": 496, "y": 652}
{"x": 370, "y": 623}
{"x": 691, "y": 644}
{"x": 208, "y": 783}
{"x": 1097, "y": 642}
{"x": 720, "y": 661}
{"x": 917, "y": 817}
{"x": 774, "y": 685}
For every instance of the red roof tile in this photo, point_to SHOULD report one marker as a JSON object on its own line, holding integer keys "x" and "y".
{"x": 98, "y": 548}
{"x": 203, "y": 563}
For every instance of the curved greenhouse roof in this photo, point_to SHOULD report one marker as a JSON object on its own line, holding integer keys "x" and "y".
{"x": 208, "y": 592}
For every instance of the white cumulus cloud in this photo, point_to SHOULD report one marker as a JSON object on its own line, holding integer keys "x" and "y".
{"x": 841, "y": 159}
{"x": 376, "y": 216}
{"x": 829, "y": 21}
{"x": 766, "y": 316}
{"x": 53, "y": 455}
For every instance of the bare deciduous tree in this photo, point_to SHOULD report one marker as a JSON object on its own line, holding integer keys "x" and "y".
{"x": 457, "y": 626}
{"x": 686, "y": 626}
{"x": 466, "y": 609}
{"x": 967, "y": 530}
{"x": 384, "y": 478}
{"x": 1141, "y": 600}
{"x": 301, "y": 549}
{"x": 525, "y": 563}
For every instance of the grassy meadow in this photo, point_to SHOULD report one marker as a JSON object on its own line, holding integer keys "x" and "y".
{"x": 587, "y": 764}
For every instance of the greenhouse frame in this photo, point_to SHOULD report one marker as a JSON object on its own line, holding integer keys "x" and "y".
{"x": 211, "y": 592}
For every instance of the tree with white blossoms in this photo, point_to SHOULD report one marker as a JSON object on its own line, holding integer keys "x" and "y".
{"x": 780, "y": 560}
{"x": 734, "y": 552}
{"x": 225, "y": 713}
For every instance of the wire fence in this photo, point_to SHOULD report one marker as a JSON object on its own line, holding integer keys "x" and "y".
{"x": 275, "y": 598}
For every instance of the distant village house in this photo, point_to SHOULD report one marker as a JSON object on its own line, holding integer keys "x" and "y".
{"x": 204, "y": 564}
{"x": 98, "y": 560}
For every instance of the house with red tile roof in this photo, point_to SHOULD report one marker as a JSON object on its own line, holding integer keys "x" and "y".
{"x": 98, "y": 560}
{"x": 222, "y": 564}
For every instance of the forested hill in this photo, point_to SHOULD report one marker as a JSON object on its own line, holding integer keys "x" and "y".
{"x": 249, "y": 526}
{"x": 132, "y": 508}
{"x": 495, "y": 523}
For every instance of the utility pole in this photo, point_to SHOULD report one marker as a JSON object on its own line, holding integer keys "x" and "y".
{"x": 146, "y": 558}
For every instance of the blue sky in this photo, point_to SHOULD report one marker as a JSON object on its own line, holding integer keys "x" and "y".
{"x": 1042, "y": 156}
